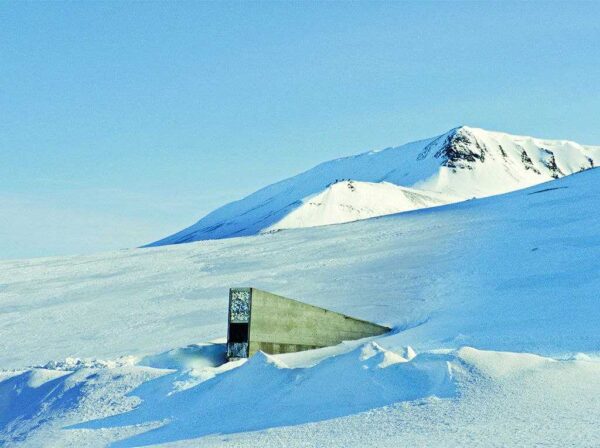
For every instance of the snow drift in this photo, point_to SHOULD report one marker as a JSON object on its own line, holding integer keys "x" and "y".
{"x": 264, "y": 392}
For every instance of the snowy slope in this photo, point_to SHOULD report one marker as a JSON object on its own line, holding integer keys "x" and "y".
{"x": 347, "y": 201}
{"x": 498, "y": 297}
{"x": 460, "y": 164}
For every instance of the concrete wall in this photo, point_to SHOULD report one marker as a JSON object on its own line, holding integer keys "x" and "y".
{"x": 282, "y": 325}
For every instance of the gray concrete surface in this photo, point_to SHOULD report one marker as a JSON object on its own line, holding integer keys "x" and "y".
{"x": 281, "y": 325}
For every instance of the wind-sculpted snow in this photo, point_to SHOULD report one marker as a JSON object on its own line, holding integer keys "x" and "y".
{"x": 122, "y": 337}
{"x": 374, "y": 396}
{"x": 264, "y": 393}
{"x": 35, "y": 403}
{"x": 461, "y": 164}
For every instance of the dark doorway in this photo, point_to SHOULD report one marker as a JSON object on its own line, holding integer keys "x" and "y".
{"x": 237, "y": 340}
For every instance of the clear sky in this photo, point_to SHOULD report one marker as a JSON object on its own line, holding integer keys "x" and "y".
{"x": 123, "y": 122}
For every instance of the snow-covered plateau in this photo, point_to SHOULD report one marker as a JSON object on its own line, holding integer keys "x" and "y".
{"x": 494, "y": 302}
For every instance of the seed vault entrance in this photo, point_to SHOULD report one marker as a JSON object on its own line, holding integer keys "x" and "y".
{"x": 260, "y": 320}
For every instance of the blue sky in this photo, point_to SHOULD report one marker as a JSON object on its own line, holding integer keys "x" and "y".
{"x": 123, "y": 122}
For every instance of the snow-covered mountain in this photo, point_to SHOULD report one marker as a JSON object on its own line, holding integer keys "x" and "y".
{"x": 460, "y": 164}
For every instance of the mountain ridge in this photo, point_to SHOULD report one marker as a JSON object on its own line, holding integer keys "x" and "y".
{"x": 462, "y": 163}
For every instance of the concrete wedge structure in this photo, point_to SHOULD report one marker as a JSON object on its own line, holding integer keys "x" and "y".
{"x": 260, "y": 320}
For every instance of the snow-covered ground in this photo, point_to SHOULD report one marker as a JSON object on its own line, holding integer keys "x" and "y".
{"x": 494, "y": 304}
{"x": 461, "y": 164}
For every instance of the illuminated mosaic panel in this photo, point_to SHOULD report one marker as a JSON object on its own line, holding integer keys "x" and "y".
{"x": 239, "y": 305}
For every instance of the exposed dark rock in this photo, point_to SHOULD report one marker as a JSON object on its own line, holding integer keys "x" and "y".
{"x": 460, "y": 150}
{"x": 528, "y": 162}
{"x": 550, "y": 163}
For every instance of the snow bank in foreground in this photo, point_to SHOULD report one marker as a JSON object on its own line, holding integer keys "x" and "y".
{"x": 264, "y": 392}
{"x": 444, "y": 397}
{"x": 537, "y": 402}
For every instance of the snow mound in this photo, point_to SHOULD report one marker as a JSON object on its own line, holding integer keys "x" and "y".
{"x": 502, "y": 364}
{"x": 347, "y": 201}
{"x": 462, "y": 389}
{"x": 37, "y": 402}
{"x": 264, "y": 392}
